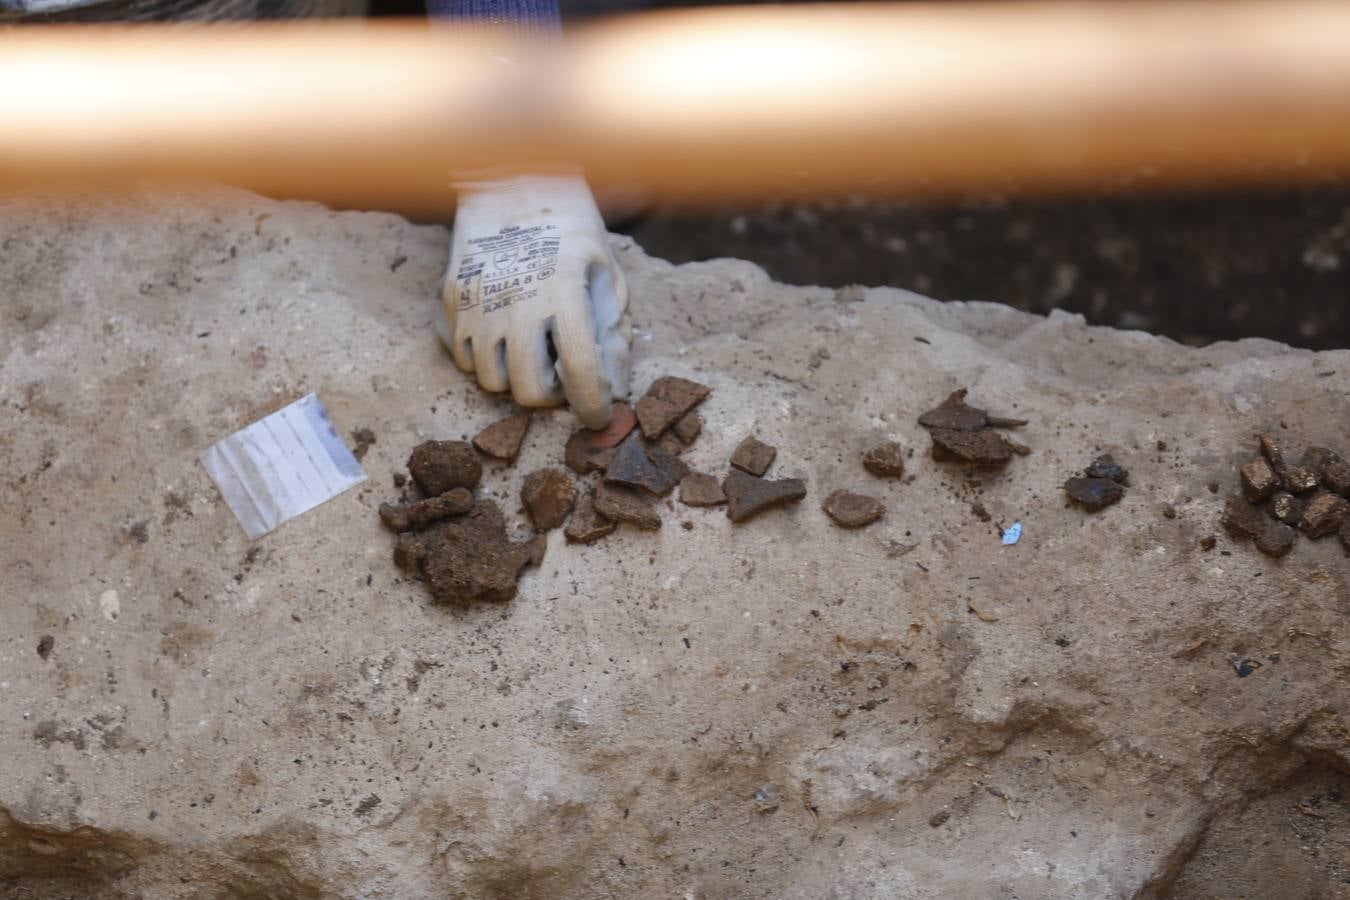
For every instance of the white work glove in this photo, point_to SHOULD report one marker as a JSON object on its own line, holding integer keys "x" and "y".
{"x": 534, "y": 300}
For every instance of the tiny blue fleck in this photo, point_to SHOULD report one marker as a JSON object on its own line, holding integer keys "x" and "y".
{"x": 1012, "y": 534}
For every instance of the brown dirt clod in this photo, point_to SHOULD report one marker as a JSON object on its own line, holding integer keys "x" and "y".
{"x": 586, "y": 524}
{"x": 976, "y": 448}
{"x": 886, "y": 460}
{"x": 850, "y": 510}
{"x": 688, "y": 429}
{"x": 1345, "y": 535}
{"x": 362, "y": 439}
{"x": 1276, "y": 539}
{"x": 753, "y": 455}
{"x": 623, "y": 504}
{"x": 502, "y": 440}
{"x": 583, "y": 457}
{"x": 471, "y": 557}
{"x": 1208, "y": 542}
{"x": 641, "y": 464}
{"x": 666, "y": 402}
{"x": 440, "y": 466}
{"x": 1272, "y": 452}
{"x": 1336, "y": 477}
{"x": 1241, "y": 519}
{"x": 548, "y": 495}
{"x": 407, "y": 516}
{"x": 1259, "y": 480}
{"x": 698, "y": 489}
{"x": 1105, "y": 466}
{"x": 1318, "y": 458}
{"x": 1094, "y": 493}
{"x": 1300, "y": 479}
{"x": 748, "y": 495}
{"x": 45, "y": 645}
{"x": 1286, "y": 507}
{"x": 1324, "y": 514}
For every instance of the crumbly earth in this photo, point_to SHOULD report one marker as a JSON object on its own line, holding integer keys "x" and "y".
{"x": 779, "y": 708}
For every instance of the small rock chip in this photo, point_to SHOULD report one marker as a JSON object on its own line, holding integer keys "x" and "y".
{"x": 548, "y": 495}
{"x": 439, "y": 466}
{"x": 586, "y": 524}
{"x": 885, "y": 460}
{"x": 698, "y": 489}
{"x": 621, "y": 421}
{"x": 1272, "y": 452}
{"x": 1286, "y": 507}
{"x": 666, "y": 402}
{"x": 583, "y": 457}
{"x": 748, "y": 496}
{"x": 1324, "y": 514}
{"x": 955, "y": 415}
{"x": 1318, "y": 458}
{"x": 767, "y": 798}
{"x": 623, "y": 504}
{"x": 1337, "y": 477}
{"x": 400, "y": 479}
{"x": 502, "y": 440}
{"x": 1241, "y": 519}
{"x": 45, "y": 645}
{"x": 1208, "y": 541}
{"x": 976, "y": 448}
{"x": 939, "y": 818}
{"x": 407, "y": 516}
{"x": 644, "y": 465}
{"x": 1105, "y": 466}
{"x": 471, "y": 557}
{"x": 1300, "y": 479}
{"x": 753, "y": 455}
{"x": 1276, "y": 540}
{"x": 1259, "y": 480}
{"x": 1094, "y": 493}
{"x": 363, "y": 438}
{"x": 687, "y": 430}
{"x": 850, "y": 510}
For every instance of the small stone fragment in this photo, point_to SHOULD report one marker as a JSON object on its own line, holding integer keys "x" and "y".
{"x": 362, "y": 439}
{"x": 748, "y": 496}
{"x": 939, "y": 818}
{"x": 1276, "y": 540}
{"x": 1094, "y": 493}
{"x": 400, "y": 479}
{"x": 1337, "y": 477}
{"x": 1318, "y": 458}
{"x": 1272, "y": 452}
{"x": 646, "y": 466}
{"x": 753, "y": 455}
{"x": 885, "y": 460}
{"x": 1241, "y": 519}
{"x": 850, "y": 510}
{"x": 472, "y": 557}
{"x": 407, "y": 516}
{"x": 688, "y": 429}
{"x": 977, "y": 448}
{"x": 586, "y": 524}
{"x": 666, "y": 402}
{"x": 45, "y": 645}
{"x": 698, "y": 489}
{"x": 439, "y": 466}
{"x": 1208, "y": 541}
{"x": 1259, "y": 480}
{"x": 1105, "y": 466}
{"x": 1300, "y": 479}
{"x": 621, "y": 421}
{"x": 502, "y": 440}
{"x": 623, "y": 504}
{"x": 548, "y": 495}
{"x": 1286, "y": 507}
{"x": 766, "y": 798}
{"x": 583, "y": 457}
{"x": 955, "y": 415}
{"x": 1324, "y": 514}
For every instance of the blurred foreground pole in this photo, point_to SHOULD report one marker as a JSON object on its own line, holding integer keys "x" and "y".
{"x": 694, "y": 105}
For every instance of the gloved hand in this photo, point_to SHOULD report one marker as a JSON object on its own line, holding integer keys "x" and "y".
{"x": 534, "y": 300}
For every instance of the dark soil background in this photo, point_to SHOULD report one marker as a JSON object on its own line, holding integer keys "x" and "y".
{"x": 1198, "y": 267}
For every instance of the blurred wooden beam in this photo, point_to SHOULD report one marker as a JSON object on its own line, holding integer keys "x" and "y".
{"x": 694, "y": 105}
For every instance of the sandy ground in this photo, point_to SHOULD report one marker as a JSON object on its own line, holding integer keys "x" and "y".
{"x": 774, "y": 709}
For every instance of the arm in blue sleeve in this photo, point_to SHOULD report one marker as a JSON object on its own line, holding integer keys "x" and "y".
{"x": 526, "y": 15}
